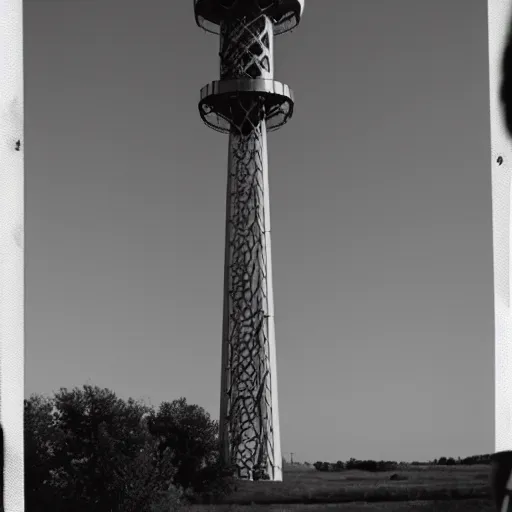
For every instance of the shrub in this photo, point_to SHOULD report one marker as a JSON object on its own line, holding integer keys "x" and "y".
{"x": 213, "y": 483}
{"x": 171, "y": 500}
{"x": 339, "y": 466}
{"x": 318, "y": 465}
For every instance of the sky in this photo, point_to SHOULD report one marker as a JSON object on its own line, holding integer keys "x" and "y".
{"x": 380, "y": 204}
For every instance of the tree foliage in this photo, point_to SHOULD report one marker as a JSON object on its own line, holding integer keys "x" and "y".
{"x": 41, "y": 437}
{"x": 190, "y": 435}
{"x": 86, "y": 449}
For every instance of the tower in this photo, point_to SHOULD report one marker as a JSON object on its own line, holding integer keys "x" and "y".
{"x": 246, "y": 103}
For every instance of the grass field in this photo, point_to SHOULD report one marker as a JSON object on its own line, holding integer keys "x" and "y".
{"x": 421, "y": 489}
{"x": 472, "y": 505}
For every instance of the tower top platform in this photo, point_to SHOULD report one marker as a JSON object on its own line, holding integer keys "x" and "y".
{"x": 285, "y": 14}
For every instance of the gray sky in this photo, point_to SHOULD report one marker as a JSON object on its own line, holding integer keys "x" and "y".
{"x": 381, "y": 218}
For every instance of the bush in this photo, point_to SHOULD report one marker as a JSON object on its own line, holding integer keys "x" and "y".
{"x": 213, "y": 483}
{"x": 171, "y": 500}
{"x": 318, "y": 465}
{"x": 339, "y": 466}
{"x": 362, "y": 465}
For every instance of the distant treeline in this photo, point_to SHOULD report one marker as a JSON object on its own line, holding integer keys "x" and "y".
{"x": 382, "y": 465}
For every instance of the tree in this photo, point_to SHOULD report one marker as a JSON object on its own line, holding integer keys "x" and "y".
{"x": 104, "y": 459}
{"x": 40, "y": 438}
{"x": 138, "y": 477}
{"x": 191, "y": 437}
{"x": 351, "y": 463}
{"x": 87, "y": 449}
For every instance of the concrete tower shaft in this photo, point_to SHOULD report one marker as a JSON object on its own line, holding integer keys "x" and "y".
{"x": 246, "y": 102}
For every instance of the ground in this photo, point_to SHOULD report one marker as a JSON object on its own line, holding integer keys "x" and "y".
{"x": 404, "y": 506}
{"x": 423, "y": 489}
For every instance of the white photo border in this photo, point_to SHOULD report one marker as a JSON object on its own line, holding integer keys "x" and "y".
{"x": 12, "y": 251}
{"x": 499, "y": 18}
{"x": 12, "y": 239}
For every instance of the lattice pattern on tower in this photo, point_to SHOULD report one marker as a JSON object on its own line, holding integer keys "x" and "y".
{"x": 245, "y": 48}
{"x": 248, "y": 404}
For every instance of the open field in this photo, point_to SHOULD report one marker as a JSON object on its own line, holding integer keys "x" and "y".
{"x": 472, "y": 505}
{"x": 420, "y": 488}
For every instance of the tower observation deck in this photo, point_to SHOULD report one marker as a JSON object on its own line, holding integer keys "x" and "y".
{"x": 246, "y": 103}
